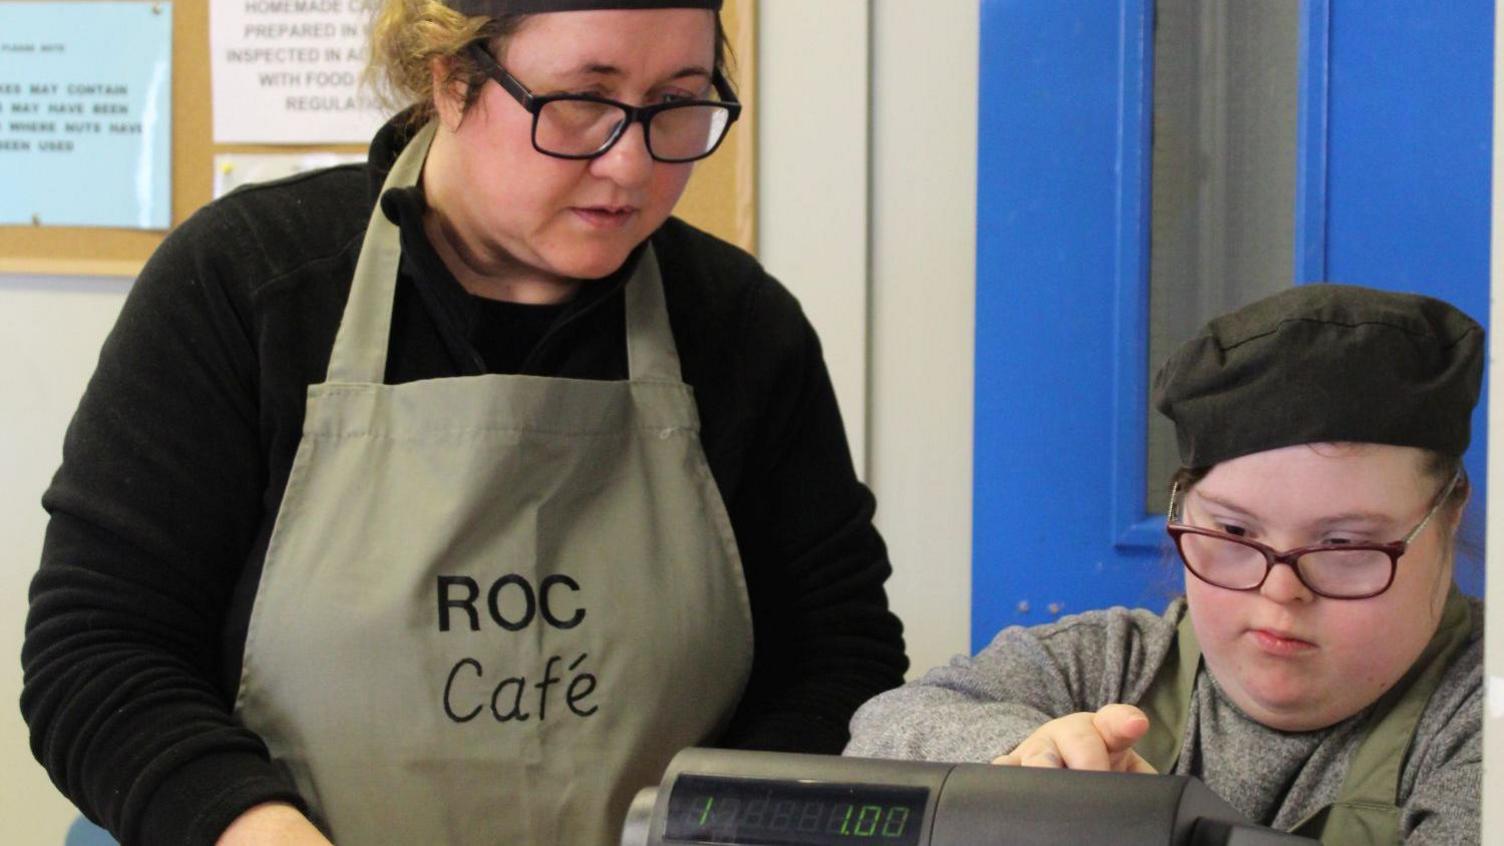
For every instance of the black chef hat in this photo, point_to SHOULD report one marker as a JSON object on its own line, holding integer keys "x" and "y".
{"x": 1324, "y": 363}
{"x": 496, "y": 8}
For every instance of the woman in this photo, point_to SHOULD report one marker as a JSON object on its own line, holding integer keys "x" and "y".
{"x": 1322, "y": 673}
{"x": 441, "y": 500}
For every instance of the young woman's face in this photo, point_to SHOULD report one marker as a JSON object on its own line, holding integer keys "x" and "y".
{"x": 575, "y": 219}
{"x": 1291, "y": 659}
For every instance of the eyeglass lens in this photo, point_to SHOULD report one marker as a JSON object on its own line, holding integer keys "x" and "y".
{"x": 583, "y": 127}
{"x": 1333, "y": 572}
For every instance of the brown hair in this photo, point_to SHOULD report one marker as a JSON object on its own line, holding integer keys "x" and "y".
{"x": 407, "y": 35}
{"x": 1437, "y": 467}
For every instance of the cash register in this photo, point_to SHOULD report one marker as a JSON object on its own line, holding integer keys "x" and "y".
{"x": 714, "y": 796}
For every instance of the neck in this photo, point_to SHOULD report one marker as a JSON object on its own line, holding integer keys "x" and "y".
{"x": 481, "y": 267}
{"x": 494, "y": 275}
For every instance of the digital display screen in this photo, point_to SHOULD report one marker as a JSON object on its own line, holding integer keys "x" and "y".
{"x": 776, "y": 812}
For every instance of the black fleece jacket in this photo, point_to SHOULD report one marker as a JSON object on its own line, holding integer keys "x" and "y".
{"x": 175, "y": 463}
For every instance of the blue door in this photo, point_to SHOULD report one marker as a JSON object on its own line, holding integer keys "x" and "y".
{"x": 1392, "y": 189}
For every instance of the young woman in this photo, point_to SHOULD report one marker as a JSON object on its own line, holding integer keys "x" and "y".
{"x": 442, "y": 499}
{"x": 1322, "y": 673}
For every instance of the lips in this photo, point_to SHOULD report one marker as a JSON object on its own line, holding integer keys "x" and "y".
{"x": 1276, "y": 642}
{"x": 605, "y": 217}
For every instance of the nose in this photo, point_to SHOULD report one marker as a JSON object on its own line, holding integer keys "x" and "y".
{"x": 628, "y": 162}
{"x": 1283, "y": 585}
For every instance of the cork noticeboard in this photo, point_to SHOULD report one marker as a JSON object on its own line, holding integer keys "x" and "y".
{"x": 721, "y": 197}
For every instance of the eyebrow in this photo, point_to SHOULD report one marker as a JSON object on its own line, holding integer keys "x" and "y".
{"x": 1326, "y": 520}
{"x": 1356, "y": 517}
{"x": 600, "y": 69}
{"x": 1223, "y": 504}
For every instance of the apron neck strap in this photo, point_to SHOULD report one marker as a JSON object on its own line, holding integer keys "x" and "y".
{"x": 1168, "y": 702}
{"x": 652, "y": 355}
{"x": 359, "y": 354}
{"x": 1373, "y": 776}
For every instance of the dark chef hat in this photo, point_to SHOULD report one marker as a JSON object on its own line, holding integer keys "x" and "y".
{"x": 1324, "y": 363}
{"x": 533, "y": 7}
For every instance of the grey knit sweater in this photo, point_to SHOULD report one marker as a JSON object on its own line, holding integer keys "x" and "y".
{"x": 978, "y": 708}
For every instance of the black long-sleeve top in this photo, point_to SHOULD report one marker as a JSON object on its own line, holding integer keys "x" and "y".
{"x": 175, "y": 463}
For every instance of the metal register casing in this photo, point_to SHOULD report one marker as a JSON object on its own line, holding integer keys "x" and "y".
{"x": 975, "y": 804}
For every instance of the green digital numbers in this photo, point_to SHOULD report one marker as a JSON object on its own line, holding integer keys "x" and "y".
{"x": 897, "y": 819}
{"x": 752, "y": 812}
{"x": 868, "y": 820}
{"x": 839, "y": 822}
{"x": 705, "y": 811}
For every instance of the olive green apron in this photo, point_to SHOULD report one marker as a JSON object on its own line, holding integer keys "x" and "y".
{"x": 492, "y": 607}
{"x": 1366, "y": 809}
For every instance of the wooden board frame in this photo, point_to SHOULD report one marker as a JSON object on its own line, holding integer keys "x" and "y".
{"x": 721, "y": 196}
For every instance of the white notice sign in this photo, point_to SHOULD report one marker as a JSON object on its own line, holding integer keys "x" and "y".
{"x": 288, "y": 71}
{"x": 232, "y": 170}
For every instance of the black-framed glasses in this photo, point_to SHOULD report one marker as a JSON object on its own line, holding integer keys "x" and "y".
{"x": 1335, "y": 571}
{"x": 583, "y": 126}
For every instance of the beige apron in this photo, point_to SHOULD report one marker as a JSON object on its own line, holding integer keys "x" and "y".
{"x": 493, "y": 607}
{"x": 1366, "y": 809}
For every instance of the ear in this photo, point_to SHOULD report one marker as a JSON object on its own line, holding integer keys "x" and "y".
{"x": 1454, "y": 517}
{"x": 1452, "y": 513}
{"x": 448, "y": 93}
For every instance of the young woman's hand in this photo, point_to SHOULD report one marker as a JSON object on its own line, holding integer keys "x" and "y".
{"x": 272, "y": 824}
{"x": 1085, "y": 741}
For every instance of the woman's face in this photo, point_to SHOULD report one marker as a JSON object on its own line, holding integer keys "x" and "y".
{"x": 572, "y": 219}
{"x": 1291, "y": 659}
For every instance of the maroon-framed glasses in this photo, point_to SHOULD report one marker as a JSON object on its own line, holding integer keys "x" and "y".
{"x": 1335, "y": 571}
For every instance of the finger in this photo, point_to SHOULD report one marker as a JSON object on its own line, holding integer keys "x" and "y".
{"x": 1036, "y": 750}
{"x": 1041, "y": 741}
{"x": 1120, "y": 726}
{"x": 1045, "y": 757}
{"x": 1135, "y": 763}
{"x": 1035, "y": 742}
{"x": 1081, "y": 748}
{"x": 1044, "y": 761}
{"x": 1008, "y": 760}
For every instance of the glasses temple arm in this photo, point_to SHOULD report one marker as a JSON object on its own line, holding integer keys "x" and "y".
{"x": 1440, "y": 501}
{"x": 723, "y": 87}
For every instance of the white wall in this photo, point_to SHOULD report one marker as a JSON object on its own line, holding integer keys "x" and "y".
{"x": 50, "y": 332}
{"x": 867, "y": 211}
{"x": 924, "y": 151}
{"x": 812, "y": 197}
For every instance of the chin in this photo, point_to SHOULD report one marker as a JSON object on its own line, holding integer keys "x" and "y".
{"x": 591, "y": 264}
{"x": 1292, "y": 721}
{"x": 1288, "y": 711}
